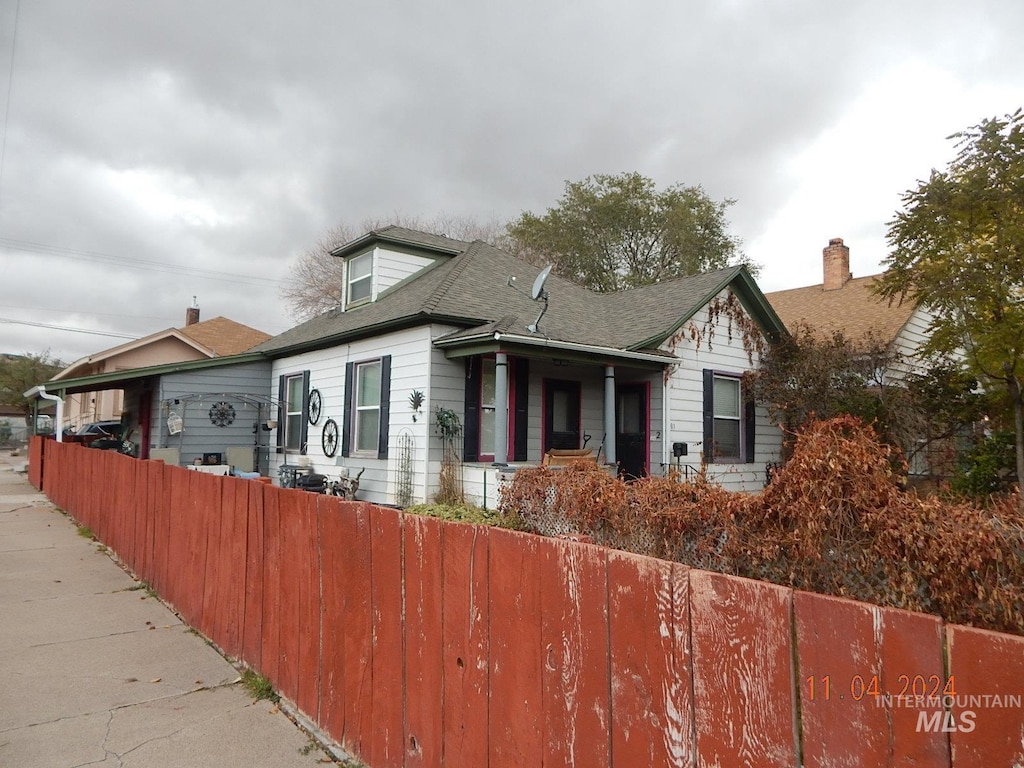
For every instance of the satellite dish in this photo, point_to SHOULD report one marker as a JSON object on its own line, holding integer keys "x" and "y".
{"x": 538, "y": 284}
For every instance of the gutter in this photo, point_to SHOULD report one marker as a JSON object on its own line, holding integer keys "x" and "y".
{"x": 58, "y": 426}
{"x": 569, "y": 346}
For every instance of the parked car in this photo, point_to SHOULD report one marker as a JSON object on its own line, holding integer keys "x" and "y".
{"x": 97, "y": 430}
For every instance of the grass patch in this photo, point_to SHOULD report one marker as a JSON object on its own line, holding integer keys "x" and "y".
{"x": 86, "y": 533}
{"x": 465, "y": 513}
{"x": 141, "y": 585}
{"x": 259, "y": 687}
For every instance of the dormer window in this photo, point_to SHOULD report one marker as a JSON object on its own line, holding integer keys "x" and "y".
{"x": 360, "y": 278}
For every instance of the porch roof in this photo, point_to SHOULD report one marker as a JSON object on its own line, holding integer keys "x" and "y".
{"x": 117, "y": 379}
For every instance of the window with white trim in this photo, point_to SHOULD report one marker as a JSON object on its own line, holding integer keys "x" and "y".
{"x": 728, "y": 417}
{"x": 359, "y": 278}
{"x": 293, "y": 409}
{"x": 366, "y": 416}
{"x": 487, "y": 409}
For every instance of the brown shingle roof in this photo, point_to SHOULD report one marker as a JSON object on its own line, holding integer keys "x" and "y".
{"x": 853, "y": 309}
{"x": 223, "y": 336}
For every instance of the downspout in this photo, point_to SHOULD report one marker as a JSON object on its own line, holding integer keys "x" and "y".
{"x": 58, "y": 425}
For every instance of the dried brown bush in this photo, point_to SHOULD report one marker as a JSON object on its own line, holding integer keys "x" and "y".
{"x": 834, "y": 520}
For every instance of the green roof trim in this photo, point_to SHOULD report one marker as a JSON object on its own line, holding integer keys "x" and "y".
{"x": 751, "y": 297}
{"x": 86, "y": 383}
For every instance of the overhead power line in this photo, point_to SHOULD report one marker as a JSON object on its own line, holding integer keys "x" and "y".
{"x": 66, "y": 328}
{"x": 92, "y": 313}
{"x": 143, "y": 264}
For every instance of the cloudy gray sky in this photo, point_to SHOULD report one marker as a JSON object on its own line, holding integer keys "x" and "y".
{"x": 155, "y": 151}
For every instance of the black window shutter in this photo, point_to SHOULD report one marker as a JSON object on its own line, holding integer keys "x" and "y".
{"x": 304, "y": 429}
{"x": 385, "y": 406}
{"x": 471, "y": 416}
{"x": 709, "y": 415}
{"x": 521, "y": 406}
{"x": 748, "y": 430}
{"x": 280, "y": 413}
{"x": 346, "y": 416}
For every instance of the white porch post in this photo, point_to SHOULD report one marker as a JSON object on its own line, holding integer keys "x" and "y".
{"x": 501, "y": 408}
{"x": 609, "y": 413}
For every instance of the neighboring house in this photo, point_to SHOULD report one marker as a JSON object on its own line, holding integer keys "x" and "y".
{"x": 648, "y": 373}
{"x": 848, "y": 304}
{"x": 180, "y": 412}
{"x": 195, "y": 341}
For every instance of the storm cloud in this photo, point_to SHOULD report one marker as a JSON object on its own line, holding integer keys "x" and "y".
{"x": 157, "y": 151}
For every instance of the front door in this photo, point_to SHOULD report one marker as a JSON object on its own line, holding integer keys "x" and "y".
{"x": 631, "y": 430}
{"x": 561, "y": 414}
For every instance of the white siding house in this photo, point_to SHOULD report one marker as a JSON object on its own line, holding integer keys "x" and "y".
{"x": 628, "y": 374}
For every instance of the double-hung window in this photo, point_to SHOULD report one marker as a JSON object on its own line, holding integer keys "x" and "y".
{"x": 359, "y": 278}
{"x": 293, "y": 410}
{"x": 728, "y": 419}
{"x": 367, "y": 407}
{"x": 487, "y": 408}
{"x": 367, "y": 397}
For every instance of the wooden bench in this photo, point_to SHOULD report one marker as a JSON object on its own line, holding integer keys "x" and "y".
{"x": 563, "y": 457}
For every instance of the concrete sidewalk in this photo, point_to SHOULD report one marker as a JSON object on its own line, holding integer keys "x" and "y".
{"x": 95, "y": 671}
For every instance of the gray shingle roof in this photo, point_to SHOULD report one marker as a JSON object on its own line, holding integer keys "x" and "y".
{"x": 471, "y": 290}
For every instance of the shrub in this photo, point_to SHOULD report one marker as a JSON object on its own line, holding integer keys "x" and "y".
{"x": 987, "y": 469}
{"x": 835, "y": 519}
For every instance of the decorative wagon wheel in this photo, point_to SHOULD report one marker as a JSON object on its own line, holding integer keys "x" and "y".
{"x": 315, "y": 405}
{"x": 329, "y": 438}
{"x": 222, "y": 413}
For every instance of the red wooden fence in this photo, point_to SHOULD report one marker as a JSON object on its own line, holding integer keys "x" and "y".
{"x": 415, "y": 642}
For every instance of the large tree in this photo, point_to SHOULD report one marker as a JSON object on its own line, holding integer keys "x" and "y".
{"x": 957, "y": 248}
{"x": 314, "y": 283}
{"x": 618, "y": 231}
{"x": 19, "y": 373}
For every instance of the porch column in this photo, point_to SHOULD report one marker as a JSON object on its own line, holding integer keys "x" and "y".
{"x": 609, "y": 413}
{"x": 501, "y": 408}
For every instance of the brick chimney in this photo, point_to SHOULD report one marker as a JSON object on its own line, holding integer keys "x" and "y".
{"x": 836, "y": 258}
{"x": 192, "y": 313}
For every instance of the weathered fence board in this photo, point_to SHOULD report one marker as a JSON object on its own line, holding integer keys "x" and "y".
{"x": 386, "y": 748}
{"x": 332, "y": 523}
{"x": 651, "y": 712}
{"x": 574, "y": 640}
{"x": 911, "y": 647}
{"x": 466, "y": 701}
{"x": 515, "y": 651}
{"x": 353, "y": 553}
{"x": 423, "y": 641}
{"x": 255, "y": 583}
{"x": 742, "y": 672}
{"x": 985, "y": 715}
{"x": 843, "y": 715}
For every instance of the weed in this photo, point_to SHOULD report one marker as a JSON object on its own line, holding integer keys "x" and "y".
{"x": 466, "y": 513}
{"x": 259, "y": 687}
{"x": 309, "y": 749}
{"x": 150, "y": 592}
{"x": 86, "y": 533}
